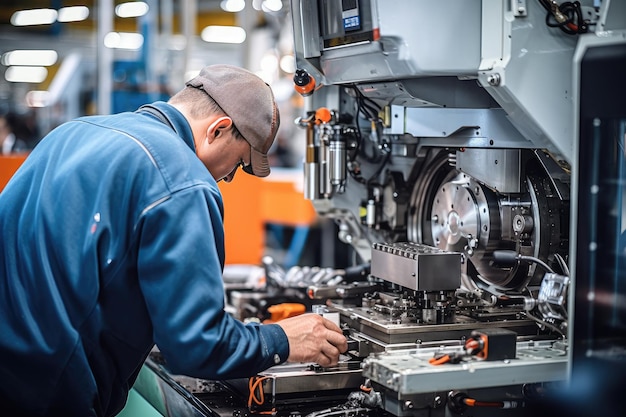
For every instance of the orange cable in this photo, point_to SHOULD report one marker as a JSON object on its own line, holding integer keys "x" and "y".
{"x": 255, "y": 383}
{"x": 470, "y": 402}
{"x": 439, "y": 361}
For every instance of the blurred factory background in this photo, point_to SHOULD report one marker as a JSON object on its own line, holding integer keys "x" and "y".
{"x": 61, "y": 59}
{"x": 66, "y": 58}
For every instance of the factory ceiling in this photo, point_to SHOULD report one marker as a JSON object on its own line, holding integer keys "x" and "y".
{"x": 208, "y": 13}
{"x": 68, "y": 38}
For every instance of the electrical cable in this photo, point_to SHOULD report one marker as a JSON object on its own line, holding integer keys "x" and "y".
{"x": 452, "y": 358}
{"x": 544, "y": 323}
{"x": 256, "y": 395}
{"x": 566, "y": 16}
{"x": 369, "y": 109}
{"x": 473, "y": 345}
{"x": 562, "y": 264}
{"x": 380, "y": 167}
{"x": 439, "y": 360}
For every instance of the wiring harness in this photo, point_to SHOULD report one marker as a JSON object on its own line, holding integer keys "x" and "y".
{"x": 566, "y": 16}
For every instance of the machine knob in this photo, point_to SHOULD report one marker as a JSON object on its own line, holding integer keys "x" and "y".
{"x": 304, "y": 82}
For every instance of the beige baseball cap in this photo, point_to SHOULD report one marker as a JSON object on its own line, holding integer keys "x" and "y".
{"x": 249, "y": 102}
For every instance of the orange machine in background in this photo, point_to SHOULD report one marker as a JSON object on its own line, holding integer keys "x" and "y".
{"x": 251, "y": 202}
{"x": 8, "y": 165}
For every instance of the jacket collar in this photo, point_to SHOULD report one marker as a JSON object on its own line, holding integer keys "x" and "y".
{"x": 173, "y": 118}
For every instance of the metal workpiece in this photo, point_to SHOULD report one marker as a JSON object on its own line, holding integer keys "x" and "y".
{"x": 290, "y": 386}
{"x": 342, "y": 291}
{"x": 386, "y": 328}
{"x": 416, "y": 266}
{"x": 294, "y": 378}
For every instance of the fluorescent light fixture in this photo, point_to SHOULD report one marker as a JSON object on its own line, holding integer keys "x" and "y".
{"x": 233, "y": 6}
{"x": 223, "y": 34}
{"x": 37, "y": 98}
{"x": 34, "y": 57}
{"x": 123, "y": 40}
{"x": 73, "y": 14}
{"x": 34, "y": 17}
{"x": 132, "y": 9}
{"x": 272, "y": 5}
{"x": 19, "y": 74}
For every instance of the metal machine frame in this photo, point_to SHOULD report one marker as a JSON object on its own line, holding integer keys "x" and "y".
{"x": 443, "y": 138}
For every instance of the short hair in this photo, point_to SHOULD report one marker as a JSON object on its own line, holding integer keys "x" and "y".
{"x": 201, "y": 105}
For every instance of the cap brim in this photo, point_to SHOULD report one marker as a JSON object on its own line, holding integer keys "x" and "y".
{"x": 259, "y": 164}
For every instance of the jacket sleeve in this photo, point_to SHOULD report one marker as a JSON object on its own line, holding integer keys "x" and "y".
{"x": 180, "y": 262}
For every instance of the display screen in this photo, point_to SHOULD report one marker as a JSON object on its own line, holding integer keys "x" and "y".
{"x": 600, "y": 304}
{"x": 598, "y": 336}
{"x": 350, "y": 15}
{"x": 346, "y": 22}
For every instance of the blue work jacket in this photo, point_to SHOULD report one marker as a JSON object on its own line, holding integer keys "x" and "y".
{"x": 112, "y": 240}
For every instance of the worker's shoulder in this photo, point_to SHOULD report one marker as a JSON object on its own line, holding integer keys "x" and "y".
{"x": 129, "y": 124}
{"x": 130, "y": 134}
{"x": 129, "y": 130}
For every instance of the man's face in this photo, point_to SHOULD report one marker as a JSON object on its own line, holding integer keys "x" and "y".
{"x": 225, "y": 155}
{"x": 242, "y": 163}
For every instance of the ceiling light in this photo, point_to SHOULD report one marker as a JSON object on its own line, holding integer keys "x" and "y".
{"x": 34, "y": 17}
{"x": 123, "y": 40}
{"x": 37, "y": 98}
{"x": 233, "y": 6}
{"x": 32, "y": 57}
{"x": 132, "y": 9}
{"x": 18, "y": 74}
{"x": 223, "y": 34}
{"x": 73, "y": 14}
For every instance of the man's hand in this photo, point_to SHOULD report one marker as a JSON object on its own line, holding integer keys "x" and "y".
{"x": 312, "y": 338}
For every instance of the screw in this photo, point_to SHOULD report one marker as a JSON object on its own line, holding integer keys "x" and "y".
{"x": 493, "y": 79}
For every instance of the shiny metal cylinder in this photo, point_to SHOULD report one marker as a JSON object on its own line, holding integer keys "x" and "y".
{"x": 337, "y": 162}
{"x": 311, "y": 180}
{"x": 325, "y": 188}
{"x": 370, "y": 213}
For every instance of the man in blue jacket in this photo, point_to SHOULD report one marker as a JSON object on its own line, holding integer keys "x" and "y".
{"x": 112, "y": 241}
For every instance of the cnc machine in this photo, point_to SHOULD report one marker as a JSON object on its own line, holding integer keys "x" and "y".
{"x": 472, "y": 154}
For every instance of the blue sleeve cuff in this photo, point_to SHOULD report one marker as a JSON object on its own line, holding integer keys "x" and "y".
{"x": 275, "y": 342}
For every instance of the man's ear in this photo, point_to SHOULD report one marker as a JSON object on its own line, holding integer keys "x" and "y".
{"x": 216, "y": 128}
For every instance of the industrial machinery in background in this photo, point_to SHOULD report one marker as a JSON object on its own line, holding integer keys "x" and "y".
{"x": 472, "y": 154}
